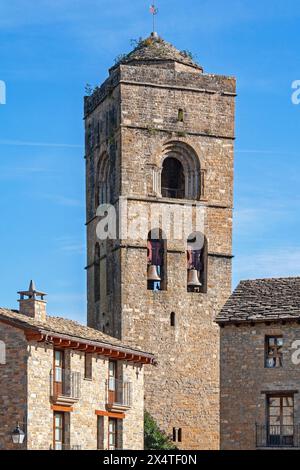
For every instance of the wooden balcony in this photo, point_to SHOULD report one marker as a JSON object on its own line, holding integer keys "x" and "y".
{"x": 65, "y": 387}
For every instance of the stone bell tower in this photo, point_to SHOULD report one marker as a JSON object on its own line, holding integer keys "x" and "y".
{"x": 159, "y": 139}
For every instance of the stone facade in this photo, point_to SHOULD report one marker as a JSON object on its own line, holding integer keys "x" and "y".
{"x": 83, "y": 420}
{"x": 246, "y": 382}
{"x": 13, "y": 383}
{"x": 132, "y": 120}
{"x": 29, "y": 393}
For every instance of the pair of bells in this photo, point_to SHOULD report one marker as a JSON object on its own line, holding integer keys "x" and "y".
{"x": 152, "y": 274}
{"x": 193, "y": 277}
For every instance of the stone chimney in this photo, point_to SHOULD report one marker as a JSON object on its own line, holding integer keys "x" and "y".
{"x": 32, "y": 303}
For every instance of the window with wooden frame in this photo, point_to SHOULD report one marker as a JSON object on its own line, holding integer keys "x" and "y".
{"x": 280, "y": 420}
{"x": 112, "y": 381}
{"x": 273, "y": 352}
{"x": 112, "y": 434}
{"x": 88, "y": 366}
{"x": 58, "y": 372}
{"x": 58, "y": 431}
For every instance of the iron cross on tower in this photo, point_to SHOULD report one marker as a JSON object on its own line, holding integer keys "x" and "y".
{"x": 154, "y": 12}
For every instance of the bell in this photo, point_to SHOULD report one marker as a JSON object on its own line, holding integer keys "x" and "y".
{"x": 152, "y": 274}
{"x": 193, "y": 279}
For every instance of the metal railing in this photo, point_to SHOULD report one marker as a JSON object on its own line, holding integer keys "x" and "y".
{"x": 64, "y": 383}
{"x": 65, "y": 447}
{"x": 173, "y": 193}
{"x": 277, "y": 436}
{"x": 118, "y": 392}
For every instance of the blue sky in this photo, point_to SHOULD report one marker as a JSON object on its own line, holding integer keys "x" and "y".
{"x": 50, "y": 49}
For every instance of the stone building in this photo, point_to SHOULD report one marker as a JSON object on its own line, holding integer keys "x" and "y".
{"x": 67, "y": 386}
{"x": 260, "y": 365}
{"x": 160, "y": 137}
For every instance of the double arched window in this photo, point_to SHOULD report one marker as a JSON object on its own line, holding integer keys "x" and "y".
{"x": 197, "y": 260}
{"x": 156, "y": 260}
{"x": 181, "y": 176}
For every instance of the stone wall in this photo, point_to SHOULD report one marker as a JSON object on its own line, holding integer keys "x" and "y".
{"x": 13, "y": 385}
{"x": 245, "y": 380}
{"x": 183, "y": 391}
{"x": 26, "y": 396}
{"x": 83, "y": 419}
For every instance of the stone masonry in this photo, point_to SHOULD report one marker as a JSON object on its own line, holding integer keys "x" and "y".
{"x": 132, "y": 122}
{"x": 257, "y": 310}
{"x": 28, "y": 394}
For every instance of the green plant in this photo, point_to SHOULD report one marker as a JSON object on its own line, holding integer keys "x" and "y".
{"x": 135, "y": 43}
{"x": 155, "y": 439}
{"x": 120, "y": 58}
{"x": 88, "y": 89}
{"x": 188, "y": 54}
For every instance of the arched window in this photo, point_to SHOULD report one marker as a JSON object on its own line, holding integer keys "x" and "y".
{"x": 2, "y": 353}
{"x": 97, "y": 273}
{"x": 102, "y": 183}
{"x": 173, "y": 319}
{"x": 156, "y": 260}
{"x": 172, "y": 179}
{"x": 197, "y": 263}
{"x": 181, "y": 174}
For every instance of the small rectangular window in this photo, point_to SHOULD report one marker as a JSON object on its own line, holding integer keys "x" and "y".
{"x": 177, "y": 434}
{"x": 180, "y": 115}
{"x": 88, "y": 366}
{"x": 274, "y": 352}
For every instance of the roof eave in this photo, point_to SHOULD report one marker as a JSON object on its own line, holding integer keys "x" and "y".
{"x": 41, "y": 335}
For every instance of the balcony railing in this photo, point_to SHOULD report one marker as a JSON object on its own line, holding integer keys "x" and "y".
{"x": 118, "y": 393}
{"x": 65, "y": 385}
{"x": 173, "y": 193}
{"x": 277, "y": 436}
{"x": 65, "y": 447}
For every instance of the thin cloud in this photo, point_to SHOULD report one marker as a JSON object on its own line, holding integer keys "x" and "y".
{"x": 267, "y": 152}
{"x": 38, "y": 144}
{"x": 64, "y": 200}
{"x": 71, "y": 245}
{"x": 19, "y": 173}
